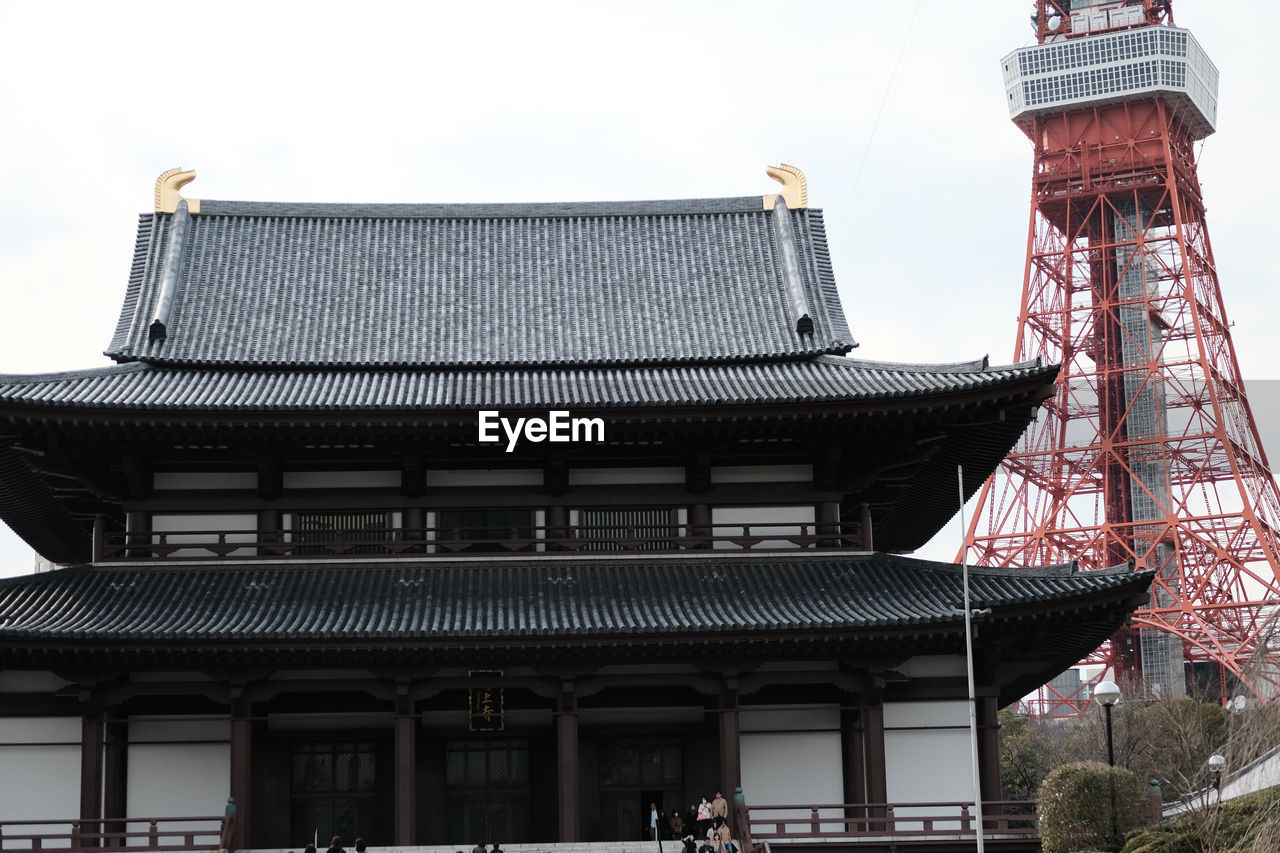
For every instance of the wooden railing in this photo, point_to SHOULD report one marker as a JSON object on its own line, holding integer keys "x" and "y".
{"x": 777, "y": 825}
{"x": 80, "y": 836}
{"x": 452, "y": 542}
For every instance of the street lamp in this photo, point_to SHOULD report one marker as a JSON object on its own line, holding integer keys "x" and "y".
{"x": 1108, "y": 694}
{"x": 1216, "y": 763}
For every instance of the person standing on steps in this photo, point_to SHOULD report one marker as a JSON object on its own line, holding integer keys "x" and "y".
{"x": 653, "y": 821}
{"x": 676, "y": 824}
{"x": 720, "y": 808}
{"x": 704, "y": 817}
{"x": 721, "y": 838}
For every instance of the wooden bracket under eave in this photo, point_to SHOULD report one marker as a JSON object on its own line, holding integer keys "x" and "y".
{"x": 168, "y": 194}
{"x": 795, "y": 188}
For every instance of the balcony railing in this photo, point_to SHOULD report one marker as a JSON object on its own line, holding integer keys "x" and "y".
{"x": 141, "y": 834}
{"x": 454, "y": 542}
{"x": 780, "y": 825}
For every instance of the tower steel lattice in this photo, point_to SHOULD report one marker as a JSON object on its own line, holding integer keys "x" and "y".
{"x": 1148, "y": 452}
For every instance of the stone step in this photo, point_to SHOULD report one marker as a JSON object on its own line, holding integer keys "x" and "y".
{"x": 576, "y": 847}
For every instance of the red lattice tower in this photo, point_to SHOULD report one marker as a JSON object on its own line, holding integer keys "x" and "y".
{"x": 1148, "y": 452}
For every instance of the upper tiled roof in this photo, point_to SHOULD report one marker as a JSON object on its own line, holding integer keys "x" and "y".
{"x": 545, "y": 598}
{"x": 281, "y": 285}
{"x": 823, "y": 379}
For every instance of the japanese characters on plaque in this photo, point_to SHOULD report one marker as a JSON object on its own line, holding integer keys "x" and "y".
{"x": 485, "y": 711}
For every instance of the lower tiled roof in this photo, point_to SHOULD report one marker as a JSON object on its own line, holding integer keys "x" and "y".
{"x": 528, "y": 599}
{"x": 141, "y": 386}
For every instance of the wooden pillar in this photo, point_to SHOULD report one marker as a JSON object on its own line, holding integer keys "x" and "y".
{"x": 91, "y": 732}
{"x": 241, "y": 754}
{"x": 406, "y": 750}
{"x": 557, "y": 526}
{"x": 854, "y": 756}
{"x": 268, "y": 529}
{"x": 567, "y": 772}
{"x": 700, "y": 524}
{"x": 730, "y": 742}
{"x": 137, "y": 529}
{"x": 829, "y": 524}
{"x": 868, "y": 535}
{"x": 989, "y": 749}
{"x": 877, "y": 774}
{"x": 415, "y": 528}
{"x": 115, "y": 803}
{"x": 99, "y": 551}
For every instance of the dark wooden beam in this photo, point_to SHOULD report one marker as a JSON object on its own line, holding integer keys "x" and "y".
{"x": 91, "y": 735}
{"x": 241, "y": 764}
{"x": 853, "y": 755}
{"x": 730, "y": 740}
{"x": 567, "y": 765}
{"x": 873, "y": 733}
{"x": 406, "y": 751}
{"x": 989, "y": 748}
{"x": 115, "y": 802}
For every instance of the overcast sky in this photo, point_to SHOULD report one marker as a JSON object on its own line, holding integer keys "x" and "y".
{"x": 894, "y": 110}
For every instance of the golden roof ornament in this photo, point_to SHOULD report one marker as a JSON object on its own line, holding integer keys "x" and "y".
{"x": 795, "y": 188}
{"x": 167, "y": 191}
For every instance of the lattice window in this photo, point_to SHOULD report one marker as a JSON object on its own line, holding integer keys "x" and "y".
{"x": 628, "y": 528}
{"x": 486, "y": 790}
{"x": 332, "y": 790}
{"x": 486, "y": 530}
{"x": 341, "y": 532}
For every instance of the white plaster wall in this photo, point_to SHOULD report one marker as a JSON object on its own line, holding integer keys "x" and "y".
{"x": 934, "y": 666}
{"x": 728, "y": 521}
{"x": 39, "y": 768}
{"x": 29, "y": 681}
{"x": 484, "y": 477}
{"x": 791, "y": 756}
{"x": 178, "y": 767}
{"x": 341, "y": 479}
{"x": 618, "y": 476}
{"x": 928, "y": 756}
{"x": 761, "y": 473}
{"x": 240, "y": 527}
{"x": 204, "y": 480}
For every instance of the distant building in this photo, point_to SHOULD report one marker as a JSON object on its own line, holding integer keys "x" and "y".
{"x": 299, "y": 575}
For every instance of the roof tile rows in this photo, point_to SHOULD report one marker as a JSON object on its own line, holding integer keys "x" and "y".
{"x": 487, "y": 285}
{"x": 535, "y": 598}
{"x": 827, "y": 378}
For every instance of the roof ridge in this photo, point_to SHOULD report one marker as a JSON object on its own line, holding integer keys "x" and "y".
{"x": 72, "y": 375}
{"x": 830, "y": 349}
{"x": 980, "y": 365}
{"x": 482, "y": 210}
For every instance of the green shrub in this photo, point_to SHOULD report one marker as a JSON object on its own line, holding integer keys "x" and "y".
{"x": 1089, "y": 807}
{"x": 1249, "y": 824}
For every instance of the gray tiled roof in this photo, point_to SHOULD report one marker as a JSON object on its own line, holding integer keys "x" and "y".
{"x": 823, "y": 379}
{"x": 523, "y": 598}
{"x": 282, "y": 285}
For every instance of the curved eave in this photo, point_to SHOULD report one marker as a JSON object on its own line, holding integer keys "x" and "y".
{"x": 996, "y": 403}
{"x": 573, "y": 608}
{"x": 144, "y": 395}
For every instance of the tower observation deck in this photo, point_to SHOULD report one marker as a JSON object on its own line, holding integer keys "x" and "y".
{"x": 1148, "y": 452}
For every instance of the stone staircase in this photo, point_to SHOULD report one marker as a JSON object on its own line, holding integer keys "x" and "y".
{"x": 577, "y": 847}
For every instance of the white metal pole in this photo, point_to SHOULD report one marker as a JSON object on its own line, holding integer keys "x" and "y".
{"x": 968, "y": 657}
